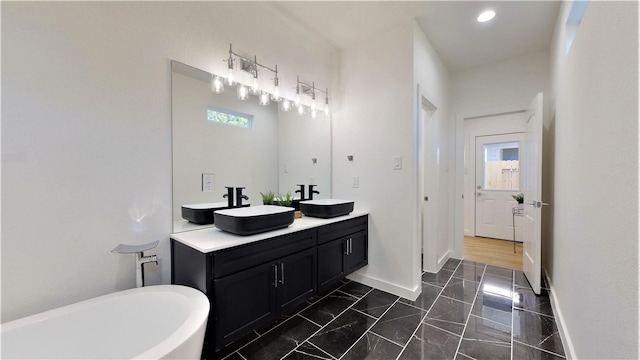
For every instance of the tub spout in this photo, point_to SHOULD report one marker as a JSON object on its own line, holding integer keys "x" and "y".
{"x": 138, "y": 250}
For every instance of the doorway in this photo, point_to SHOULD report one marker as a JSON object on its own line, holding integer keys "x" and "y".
{"x": 497, "y": 182}
{"x": 428, "y": 186}
{"x": 492, "y": 176}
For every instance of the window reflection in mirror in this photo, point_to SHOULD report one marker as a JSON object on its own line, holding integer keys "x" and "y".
{"x": 274, "y": 153}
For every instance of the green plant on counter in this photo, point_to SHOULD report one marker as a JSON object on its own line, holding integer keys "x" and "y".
{"x": 285, "y": 200}
{"x": 267, "y": 198}
{"x": 519, "y": 198}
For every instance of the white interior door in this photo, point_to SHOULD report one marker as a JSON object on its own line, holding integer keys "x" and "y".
{"x": 497, "y": 180}
{"x": 532, "y": 188}
{"x": 427, "y": 187}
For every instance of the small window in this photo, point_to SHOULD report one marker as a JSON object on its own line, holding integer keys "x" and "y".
{"x": 229, "y": 117}
{"x": 509, "y": 154}
{"x": 501, "y": 166}
{"x": 576, "y": 13}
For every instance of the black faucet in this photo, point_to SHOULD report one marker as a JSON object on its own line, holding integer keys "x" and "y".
{"x": 301, "y": 191}
{"x": 229, "y": 196}
{"x": 239, "y": 196}
{"x": 311, "y": 191}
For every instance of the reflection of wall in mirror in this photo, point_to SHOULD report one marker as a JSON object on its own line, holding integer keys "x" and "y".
{"x": 301, "y": 140}
{"x": 237, "y": 156}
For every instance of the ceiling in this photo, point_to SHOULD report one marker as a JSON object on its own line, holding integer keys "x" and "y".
{"x": 519, "y": 27}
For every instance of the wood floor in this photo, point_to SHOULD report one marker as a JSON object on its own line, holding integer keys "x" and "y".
{"x": 493, "y": 251}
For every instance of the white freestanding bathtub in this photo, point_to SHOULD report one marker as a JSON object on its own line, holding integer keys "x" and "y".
{"x": 154, "y": 322}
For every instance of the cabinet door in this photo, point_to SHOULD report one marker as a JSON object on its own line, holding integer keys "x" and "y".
{"x": 331, "y": 263}
{"x": 243, "y": 302}
{"x": 297, "y": 279}
{"x": 358, "y": 252}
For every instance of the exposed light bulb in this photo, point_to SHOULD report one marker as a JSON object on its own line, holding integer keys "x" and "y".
{"x": 326, "y": 109}
{"x": 243, "y": 92}
{"x": 264, "y": 98}
{"x": 314, "y": 113}
{"x": 297, "y": 99}
{"x": 301, "y": 109}
{"x": 254, "y": 85}
{"x": 231, "y": 80}
{"x": 313, "y": 105}
{"x": 286, "y": 105}
{"x": 217, "y": 86}
{"x": 276, "y": 94}
{"x": 486, "y": 16}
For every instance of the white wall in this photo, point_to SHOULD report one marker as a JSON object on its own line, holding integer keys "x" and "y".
{"x": 376, "y": 122}
{"x": 373, "y": 123}
{"x": 432, "y": 77}
{"x": 86, "y": 131}
{"x": 592, "y": 258}
{"x": 506, "y": 83}
{"x": 489, "y": 89}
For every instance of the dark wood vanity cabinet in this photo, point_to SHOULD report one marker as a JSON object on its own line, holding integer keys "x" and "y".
{"x": 256, "y": 296}
{"x": 251, "y": 285}
{"x": 342, "y": 249}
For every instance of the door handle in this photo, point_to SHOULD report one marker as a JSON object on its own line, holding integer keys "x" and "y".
{"x": 275, "y": 275}
{"x": 346, "y": 246}
{"x": 536, "y": 204}
{"x": 282, "y": 273}
{"x": 350, "y": 246}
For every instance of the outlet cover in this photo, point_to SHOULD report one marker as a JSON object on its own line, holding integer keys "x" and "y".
{"x": 208, "y": 183}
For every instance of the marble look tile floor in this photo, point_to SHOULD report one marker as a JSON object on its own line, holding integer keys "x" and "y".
{"x": 468, "y": 310}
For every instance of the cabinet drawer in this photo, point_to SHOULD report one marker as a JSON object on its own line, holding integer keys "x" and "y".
{"x": 236, "y": 259}
{"x": 340, "y": 229}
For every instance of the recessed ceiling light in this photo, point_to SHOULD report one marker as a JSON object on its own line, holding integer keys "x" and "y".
{"x": 486, "y": 16}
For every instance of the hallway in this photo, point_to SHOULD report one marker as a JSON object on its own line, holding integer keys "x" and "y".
{"x": 493, "y": 252}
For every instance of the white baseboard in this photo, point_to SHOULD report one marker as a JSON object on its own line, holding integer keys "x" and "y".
{"x": 564, "y": 334}
{"x": 443, "y": 259}
{"x": 394, "y": 289}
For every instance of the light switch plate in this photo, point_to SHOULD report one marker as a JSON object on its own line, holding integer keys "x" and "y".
{"x": 208, "y": 183}
{"x": 397, "y": 163}
{"x": 355, "y": 182}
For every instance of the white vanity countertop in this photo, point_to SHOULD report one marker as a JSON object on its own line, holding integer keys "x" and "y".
{"x": 213, "y": 239}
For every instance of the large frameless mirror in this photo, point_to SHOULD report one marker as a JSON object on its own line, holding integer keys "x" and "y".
{"x": 220, "y": 141}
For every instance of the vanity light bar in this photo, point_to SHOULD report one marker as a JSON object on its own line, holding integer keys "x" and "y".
{"x": 311, "y": 90}
{"x": 252, "y": 66}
